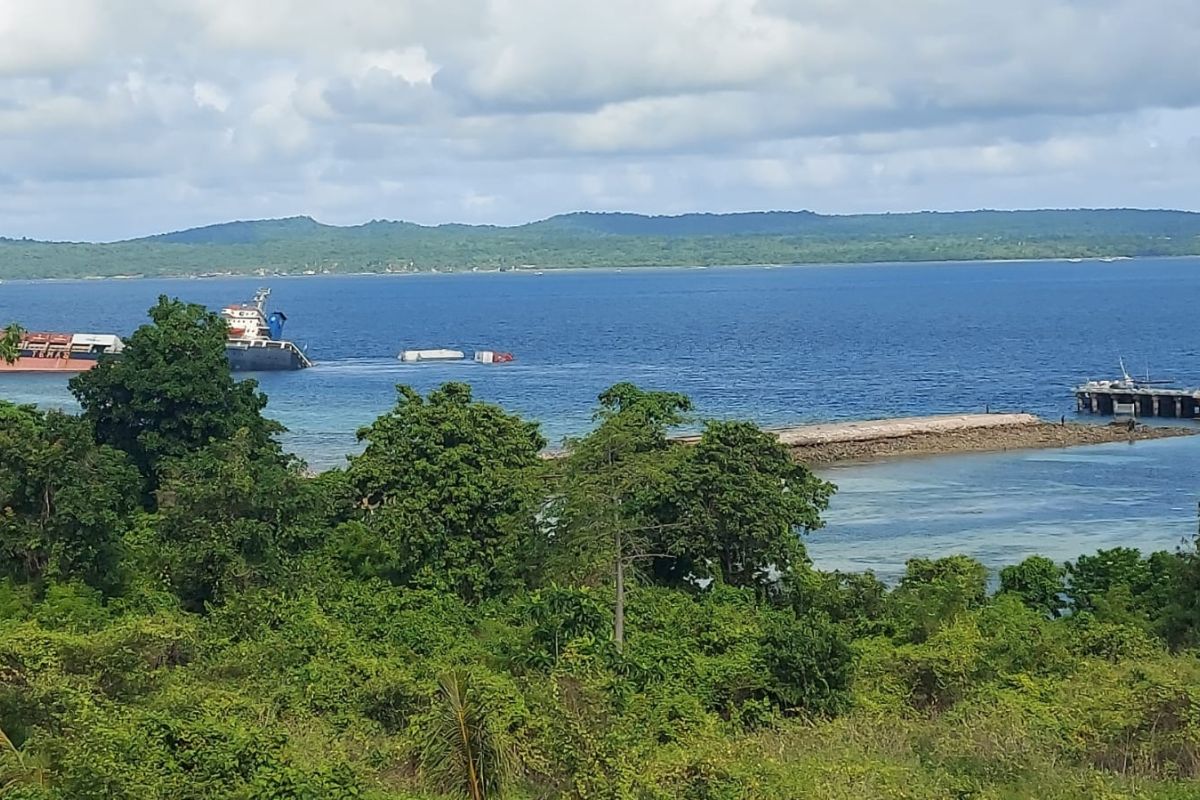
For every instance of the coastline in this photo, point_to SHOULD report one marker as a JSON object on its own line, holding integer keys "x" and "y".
{"x": 541, "y": 270}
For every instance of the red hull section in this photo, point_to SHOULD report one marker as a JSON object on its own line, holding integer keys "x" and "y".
{"x": 62, "y": 352}
{"x": 48, "y": 365}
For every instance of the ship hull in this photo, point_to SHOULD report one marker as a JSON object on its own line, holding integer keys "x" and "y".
{"x": 271, "y": 357}
{"x": 28, "y": 363}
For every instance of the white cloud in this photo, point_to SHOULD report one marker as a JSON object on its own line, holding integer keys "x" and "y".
{"x": 503, "y": 110}
{"x": 412, "y": 64}
{"x": 209, "y": 95}
{"x": 47, "y": 35}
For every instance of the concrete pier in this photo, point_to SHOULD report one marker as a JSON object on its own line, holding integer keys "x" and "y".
{"x": 1137, "y": 401}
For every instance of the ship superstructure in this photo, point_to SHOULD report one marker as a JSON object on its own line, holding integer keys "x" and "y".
{"x": 255, "y": 341}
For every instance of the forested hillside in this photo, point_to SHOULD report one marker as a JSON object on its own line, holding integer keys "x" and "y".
{"x": 300, "y": 244}
{"x": 186, "y": 614}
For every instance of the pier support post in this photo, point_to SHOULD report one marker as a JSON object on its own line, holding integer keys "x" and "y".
{"x": 1178, "y": 407}
{"x": 1156, "y": 409}
{"x": 1095, "y": 404}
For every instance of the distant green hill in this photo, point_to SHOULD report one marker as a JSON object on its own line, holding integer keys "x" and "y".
{"x": 588, "y": 239}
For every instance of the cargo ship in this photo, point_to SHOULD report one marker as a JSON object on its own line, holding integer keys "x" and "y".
{"x": 61, "y": 352}
{"x": 255, "y": 343}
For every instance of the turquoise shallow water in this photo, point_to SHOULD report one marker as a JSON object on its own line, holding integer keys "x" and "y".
{"x": 775, "y": 345}
{"x": 1002, "y": 507}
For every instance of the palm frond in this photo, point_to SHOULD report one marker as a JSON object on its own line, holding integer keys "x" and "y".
{"x": 465, "y": 754}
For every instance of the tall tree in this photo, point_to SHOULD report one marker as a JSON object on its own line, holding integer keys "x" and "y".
{"x": 449, "y": 490}
{"x": 1179, "y": 620}
{"x": 739, "y": 502}
{"x": 171, "y": 392}
{"x": 603, "y": 511}
{"x": 1120, "y": 569}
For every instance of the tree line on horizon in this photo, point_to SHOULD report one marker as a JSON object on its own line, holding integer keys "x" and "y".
{"x": 301, "y": 245}
{"x": 185, "y": 612}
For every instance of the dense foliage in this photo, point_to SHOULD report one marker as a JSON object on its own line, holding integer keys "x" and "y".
{"x": 301, "y": 245}
{"x": 185, "y": 614}
{"x": 170, "y": 394}
{"x": 10, "y": 343}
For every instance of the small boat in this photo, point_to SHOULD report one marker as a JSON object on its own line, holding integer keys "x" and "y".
{"x": 254, "y": 343}
{"x": 416, "y": 356}
{"x": 61, "y": 352}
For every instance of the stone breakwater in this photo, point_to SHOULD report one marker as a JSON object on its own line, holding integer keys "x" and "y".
{"x": 959, "y": 433}
{"x": 868, "y": 440}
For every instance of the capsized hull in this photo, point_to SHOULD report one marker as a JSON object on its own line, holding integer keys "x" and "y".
{"x": 265, "y": 356}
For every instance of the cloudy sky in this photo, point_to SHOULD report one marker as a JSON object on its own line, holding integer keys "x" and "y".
{"x": 125, "y": 117}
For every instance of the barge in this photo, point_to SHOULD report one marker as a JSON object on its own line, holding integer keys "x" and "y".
{"x": 61, "y": 352}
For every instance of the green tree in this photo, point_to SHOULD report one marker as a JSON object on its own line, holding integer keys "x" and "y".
{"x": 603, "y": 514}
{"x": 224, "y": 519}
{"x": 737, "y": 503}
{"x": 171, "y": 392}
{"x": 1120, "y": 585}
{"x": 809, "y": 664}
{"x": 449, "y": 490}
{"x": 10, "y": 343}
{"x": 1038, "y": 581}
{"x": 933, "y": 592}
{"x": 856, "y": 600}
{"x": 465, "y": 753}
{"x": 556, "y": 616}
{"x": 65, "y": 501}
{"x": 1179, "y": 621}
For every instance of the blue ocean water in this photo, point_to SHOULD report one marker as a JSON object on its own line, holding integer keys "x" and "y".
{"x": 775, "y": 345}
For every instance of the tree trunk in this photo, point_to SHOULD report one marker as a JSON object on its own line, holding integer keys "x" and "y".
{"x": 619, "y": 616}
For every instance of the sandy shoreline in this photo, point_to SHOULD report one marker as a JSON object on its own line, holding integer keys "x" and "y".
{"x": 996, "y": 438}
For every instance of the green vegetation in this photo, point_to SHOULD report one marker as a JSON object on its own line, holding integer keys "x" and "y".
{"x": 10, "y": 343}
{"x": 300, "y": 245}
{"x": 184, "y": 613}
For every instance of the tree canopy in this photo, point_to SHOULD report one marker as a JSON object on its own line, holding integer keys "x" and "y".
{"x": 171, "y": 392}
{"x": 738, "y": 503}
{"x": 448, "y": 489}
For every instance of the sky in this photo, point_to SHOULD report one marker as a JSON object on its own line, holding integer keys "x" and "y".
{"x": 120, "y": 118}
